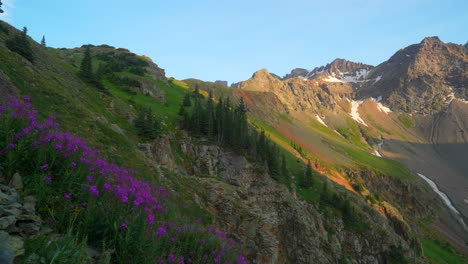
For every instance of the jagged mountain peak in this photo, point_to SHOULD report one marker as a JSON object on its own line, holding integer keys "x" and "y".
{"x": 431, "y": 40}
{"x": 340, "y": 70}
{"x": 420, "y": 77}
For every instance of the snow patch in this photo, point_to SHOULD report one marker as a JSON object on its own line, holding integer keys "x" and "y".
{"x": 380, "y": 106}
{"x": 360, "y": 76}
{"x": 320, "y": 120}
{"x": 383, "y": 108}
{"x": 332, "y": 79}
{"x": 376, "y": 151}
{"x": 354, "y": 112}
{"x": 444, "y": 198}
{"x": 378, "y": 78}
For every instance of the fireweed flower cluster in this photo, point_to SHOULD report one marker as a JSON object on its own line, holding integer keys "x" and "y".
{"x": 110, "y": 180}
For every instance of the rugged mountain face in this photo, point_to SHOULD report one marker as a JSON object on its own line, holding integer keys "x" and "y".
{"x": 421, "y": 78}
{"x": 410, "y": 108}
{"x": 339, "y": 70}
{"x": 273, "y": 224}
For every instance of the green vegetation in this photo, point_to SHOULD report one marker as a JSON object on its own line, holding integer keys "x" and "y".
{"x": 306, "y": 180}
{"x": 227, "y": 124}
{"x": 406, "y": 120}
{"x": 386, "y": 166}
{"x": 43, "y": 41}
{"x": 148, "y": 126}
{"x": 20, "y": 44}
{"x": 441, "y": 252}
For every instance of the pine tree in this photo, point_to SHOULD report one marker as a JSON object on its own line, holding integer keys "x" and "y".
{"x": 306, "y": 179}
{"x": 43, "y": 42}
{"x": 186, "y": 101}
{"x": 284, "y": 171}
{"x": 181, "y": 110}
{"x": 20, "y": 44}
{"x": 1, "y": 10}
{"x": 86, "y": 69}
{"x": 209, "y": 116}
{"x": 308, "y": 175}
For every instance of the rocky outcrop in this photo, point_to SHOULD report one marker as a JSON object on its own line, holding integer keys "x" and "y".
{"x": 18, "y": 220}
{"x": 270, "y": 222}
{"x": 420, "y": 77}
{"x": 297, "y": 73}
{"x": 225, "y": 83}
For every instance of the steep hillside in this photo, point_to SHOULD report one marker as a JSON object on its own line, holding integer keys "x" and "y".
{"x": 421, "y": 78}
{"x": 342, "y": 121}
{"x": 226, "y": 203}
{"x": 212, "y": 184}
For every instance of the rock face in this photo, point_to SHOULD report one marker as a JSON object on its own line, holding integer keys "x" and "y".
{"x": 225, "y": 83}
{"x": 271, "y": 223}
{"x": 17, "y": 220}
{"x": 421, "y": 77}
{"x": 300, "y": 97}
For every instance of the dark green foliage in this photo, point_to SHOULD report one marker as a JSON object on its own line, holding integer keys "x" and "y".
{"x": 86, "y": 68}
{"x": 396, "y": 255}
{"x": 123, "y": 62}
{"x": 4, "y": 29}
{"x": 351, "y": 217}
{"x": 147, "y": 124}
{"x": 125, "y": 83}
{"x": 298, "y": 148}
{"x": 86, "y": 72}
{"x": 43, "y": 42}
{"x": 1, "y": 10}
{"x": 227, "y": 124}
{"x": 307, "y": 181}
{"x": 285, "y": 175}
{"x": 21, "y": 45}
{"x": 137, "y": 70}
{"x": 187, "y": 101}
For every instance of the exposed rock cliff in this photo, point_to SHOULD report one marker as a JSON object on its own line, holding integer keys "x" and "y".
{"x": 272, "y": 224}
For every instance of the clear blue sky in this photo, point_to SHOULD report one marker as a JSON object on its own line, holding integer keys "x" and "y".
{"x": 229, "y": 40}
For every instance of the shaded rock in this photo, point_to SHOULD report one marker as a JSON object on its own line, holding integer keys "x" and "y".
{"x": 16, "y": 181}
{"x": 7, "y": 221}
{"x": 117, "y": 129}
{"x": 29, "y": 205}
{"x": 225, "y": 83}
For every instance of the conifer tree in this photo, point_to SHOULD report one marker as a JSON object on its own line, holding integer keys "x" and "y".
{"x": 1, "y": 10}
{"x": 284, "y": 171}
{"x": 186, "y": 101}
{"x": 20, "y": 44}
{"x": 43, "y": 42}
{"x": 86, "y": 69}
{"x": 209, "y": 115}
{"x": 181, "y": 110}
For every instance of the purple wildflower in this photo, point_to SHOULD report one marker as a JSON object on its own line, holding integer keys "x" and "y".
{"x": 173, "y": 239}
{"x": 73, "y": 164}
{"x": 93, "y": 190}
{"x": 47, "y": 179}
{"x": 161, "y": 231}
{"x": 67, "y": 196}
{"x": 123, "y": 225}
{"x": 44, "y": 167}
{"x": 89, "y": 178}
